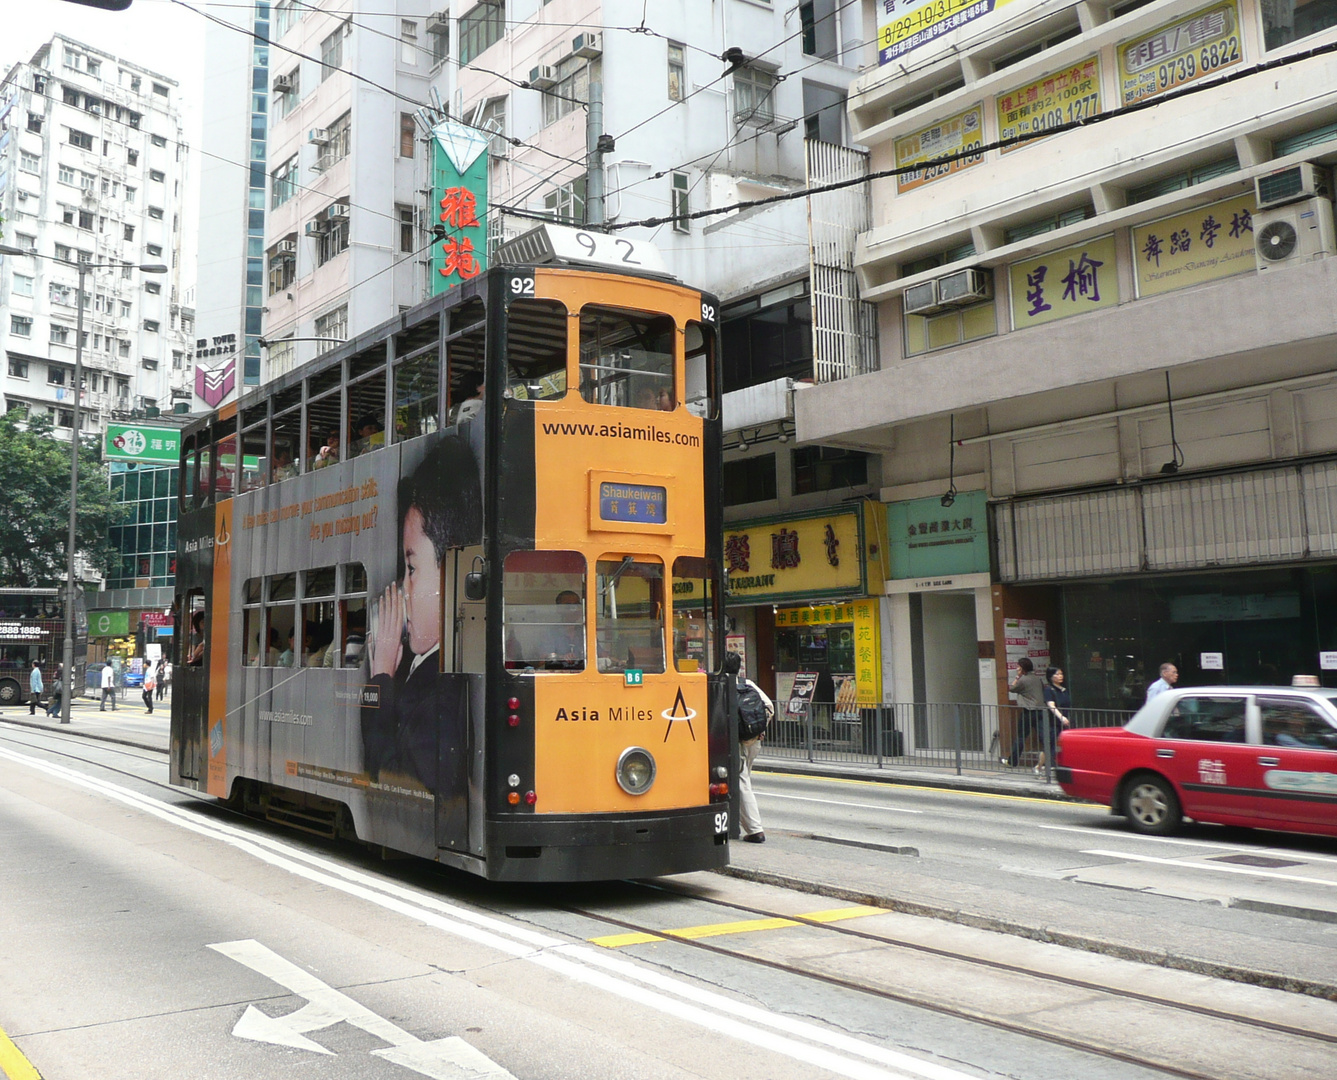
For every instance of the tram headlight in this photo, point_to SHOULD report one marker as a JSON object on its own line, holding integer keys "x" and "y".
{"x": 635, "y": 770}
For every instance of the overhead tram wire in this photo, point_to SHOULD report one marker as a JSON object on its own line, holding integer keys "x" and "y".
{"x": 1001, "y": 144}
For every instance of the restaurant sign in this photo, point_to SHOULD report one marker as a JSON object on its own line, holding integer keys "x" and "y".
{"x": 795, "y": 558}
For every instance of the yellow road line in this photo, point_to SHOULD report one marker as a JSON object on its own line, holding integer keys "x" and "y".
{"x": 12, "y": 1062}
{"x": 921, "y": 787}
{"x": 746, "y": 926}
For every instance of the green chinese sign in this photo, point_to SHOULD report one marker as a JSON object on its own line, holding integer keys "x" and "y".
{"x": 459, "y": 188}
{"x": 108, "y": 623}
{"x": 928, "y": 538}
{"x": 133, "y": 442}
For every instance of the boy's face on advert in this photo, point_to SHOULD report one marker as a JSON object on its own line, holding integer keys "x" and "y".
{"x": 422, "y": 586}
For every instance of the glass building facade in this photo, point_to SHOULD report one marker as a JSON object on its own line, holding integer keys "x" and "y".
{"x": 147, "y": 538}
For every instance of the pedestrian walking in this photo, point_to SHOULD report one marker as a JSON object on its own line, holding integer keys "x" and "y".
{"x": 755, "y": 710}
{"x": 164, "y": 677}
{"x": 150, "y": 683}
{"x": 1169, "y": 676}
{"x": 35, "y": 687}
{"x": 1030, "y": 691}
{"x": 108, "y": 688}
{"x": 57, "y": 693}
{"x": 1058, "y": 701}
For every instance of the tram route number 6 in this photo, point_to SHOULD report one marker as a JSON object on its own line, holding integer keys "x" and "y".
{"x": 722, "y": 823}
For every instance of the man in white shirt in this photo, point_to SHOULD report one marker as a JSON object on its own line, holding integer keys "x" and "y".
{"x": 1169, "y": 676}
{"x": 750, "y": 823}
{"x": 108, "y": 688}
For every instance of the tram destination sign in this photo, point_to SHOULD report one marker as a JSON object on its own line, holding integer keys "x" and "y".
{"x": 135, "y": 442}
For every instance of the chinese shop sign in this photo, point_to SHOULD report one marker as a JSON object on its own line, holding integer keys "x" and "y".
{"x": 905, "y": 25}
{"x": 1061, "y": 283}
{"x": 132, "y": 442}
{"x": 1198, "y": 245}
{"x": 867, "y": 638}
{"x": 459, "y": 188}
{"x": 950, "y": 136}
{"x": 1180, "y": 53}
{"x": 803, "y": 558}
{"x": 929, "y": 539}
{"x": 1060, "y": 98}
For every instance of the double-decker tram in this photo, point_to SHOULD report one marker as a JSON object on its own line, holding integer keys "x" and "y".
{"x": 455, "y": 586}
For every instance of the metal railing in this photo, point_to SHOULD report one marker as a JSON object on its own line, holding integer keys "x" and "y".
{"x": 960, "y": 736}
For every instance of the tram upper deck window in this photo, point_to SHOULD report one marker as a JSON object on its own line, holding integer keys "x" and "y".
{"x": 202, "y": 472}
{"x": 466, "y": 343}
{"x": 324, "y": 420}
{"x": 543, "y": 597}
{"x": 417, "y": 381}
{"x": 536, "y": 333}
{"x": 225, "y": 476}
{"x": 701, "y": 373}
{"x": 626, "y": 358}
{"x": 629, "y": 613}
{"x": 287, "y": 434}
{"x": 253, "y": 464}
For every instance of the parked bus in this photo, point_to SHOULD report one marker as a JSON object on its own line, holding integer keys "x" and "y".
{"x": 32, "y": 627}
{"x": 426, "y": 582}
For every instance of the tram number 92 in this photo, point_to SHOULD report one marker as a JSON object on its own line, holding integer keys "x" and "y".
{"x": 722, "y": 823}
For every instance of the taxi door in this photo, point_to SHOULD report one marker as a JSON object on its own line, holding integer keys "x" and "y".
{"x": 1204, "y": 749}
{"x": 1298, "y": 764}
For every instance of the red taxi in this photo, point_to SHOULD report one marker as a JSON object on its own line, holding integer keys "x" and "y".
{"x": 1262, "y": 757}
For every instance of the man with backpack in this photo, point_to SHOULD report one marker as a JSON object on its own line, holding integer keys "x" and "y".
{"x": 755, "y": 710}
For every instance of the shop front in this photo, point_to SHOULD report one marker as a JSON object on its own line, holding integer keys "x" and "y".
{"x": 801, "y": 613}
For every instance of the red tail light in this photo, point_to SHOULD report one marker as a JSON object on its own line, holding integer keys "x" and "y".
{"x": 513, "y": 703}
{"x": 717, "y": 790}
{"x": 513, "y": 720}
{"x": 531, "y": 798}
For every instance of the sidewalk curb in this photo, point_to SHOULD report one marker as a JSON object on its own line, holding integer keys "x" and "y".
{"x": 976, "y": 785}
{"x": 1155, "y": 957}
{"x": 70, "y": 729}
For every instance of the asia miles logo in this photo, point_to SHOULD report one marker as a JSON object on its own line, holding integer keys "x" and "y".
{"x": 678, "y": 713}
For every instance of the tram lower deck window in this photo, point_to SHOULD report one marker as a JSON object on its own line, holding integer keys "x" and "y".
{"x": 626, "y": 358}
{"x": 629, "y": 613}
{"x": 544, "y": 610}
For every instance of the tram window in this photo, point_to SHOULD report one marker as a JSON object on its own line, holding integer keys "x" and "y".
{"x": 197, "y": 624}
{"x": 694, "y": 614}
{"x": 204, "y": 474}
{"x": 254, "y": 415}
{"x": 466, "y": 344}
{"x": 324, "y": 423}
{"x": 281, "y": 611}
{"x": 536, "y": 332}
{"x": 353, "y": 615}
{"x": 318, "y": 582}
{"x": 226, "y": 469}
{"x": 323, "y": 381}
{"x": 366, "y": 413}
{"x": 417, "y": 385}
{"x": 282, "y": 587}
{"x": 626, "y": 358}
{"x": 700, "y": 391}
{"x": 186, "y": 490}
{"x": 287, "y": 438}
{"x": 253, "y": 619}
{"x": 369, "y": 360}
{"x": 253, "y": 464}
{"x": 317, "y": 633}
{"x": 355, "y": 579}
{"x": 629, "y": 613}
{"x": 543, "y": 610}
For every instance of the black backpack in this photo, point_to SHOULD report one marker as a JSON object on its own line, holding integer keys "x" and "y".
{"x": 752, "y": 713}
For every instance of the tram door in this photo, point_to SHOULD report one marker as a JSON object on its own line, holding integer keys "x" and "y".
{"x": 462, "y": 651}
{"x": 190, "y": 691}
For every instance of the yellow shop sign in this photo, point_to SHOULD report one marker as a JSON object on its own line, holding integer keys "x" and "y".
{"x": 795, "y": 558}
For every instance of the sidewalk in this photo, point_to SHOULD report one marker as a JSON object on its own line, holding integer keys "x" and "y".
{"x": 1020, "y": 782}
{"x": 129, "y": 724}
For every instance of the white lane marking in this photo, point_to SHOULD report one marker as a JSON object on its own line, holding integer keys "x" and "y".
{"x": 833, "y": 802}
{"x": 1247, "y": 871}
{"x": 1253, "y": 849}
{"x": 719, "y": 1013}
{"x": 450, "y": 1058}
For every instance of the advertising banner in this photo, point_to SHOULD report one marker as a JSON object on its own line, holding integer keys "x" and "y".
{"x": 795, "y": 558}
{"x": 135, "y": 442}
{"x": 950, "y": 136}
{"x": 459, "y": 191}
{"x": 906, "y": 25}
{"x": 108, "y": 623}
{"x": 1062, "y": 283}
{"x": 1180, "y": 53}
{"x": 1198, "y": 245}
{"x": 927, "y": 538}
{"x": 1058, "y": 98}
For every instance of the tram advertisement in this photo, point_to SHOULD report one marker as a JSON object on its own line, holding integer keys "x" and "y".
{"x": 337, "y": 585}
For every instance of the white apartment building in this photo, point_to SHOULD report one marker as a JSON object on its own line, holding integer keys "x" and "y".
{"x": 93, "y": 167}
{"x": 1106, "y": 355}
{"x": 341, "y": 248}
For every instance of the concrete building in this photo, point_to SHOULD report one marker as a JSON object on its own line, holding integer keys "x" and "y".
{"x": 93, "y": 169}
{"x": 1106, "y": 400}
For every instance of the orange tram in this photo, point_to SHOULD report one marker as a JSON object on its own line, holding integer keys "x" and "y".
{"x": 454, "y": 588}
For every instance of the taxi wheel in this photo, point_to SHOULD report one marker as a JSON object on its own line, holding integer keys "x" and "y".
{"x": 1150, "y": 805}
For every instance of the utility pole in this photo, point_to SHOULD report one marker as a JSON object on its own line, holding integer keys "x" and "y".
{"x": 596, "y": 143}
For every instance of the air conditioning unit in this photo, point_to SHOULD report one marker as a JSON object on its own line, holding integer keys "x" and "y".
{"x": 965, "y": 287}
{"x": 921, "y": 299}
{"x": 315, "y": 228}
{"x": 1293, "y": 233}
{"x": 1303, "y": 181}
{"x": 286, "y": 247}
{"x": 588, "y": 46}
{"x": 336, "y": 211}
{"x": 543, "y": 76}
{"x": 283, "y": 84}
{"x": 438, "y": 22}
{"x": 319, "y": 136}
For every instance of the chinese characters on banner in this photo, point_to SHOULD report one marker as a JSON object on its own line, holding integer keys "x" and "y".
{"x": 804, "y": 558}
{"x": 864, "y": 614}
{"x": 459, "y": 188}
{"x": 1062, "y": 283}
{"x": 905, "y": 25}
{"x": 949, "y": 136}
{"x": 1180, "y": 52}
{"x": 1060, "y": 98}
{"x": 1199, "y": 245}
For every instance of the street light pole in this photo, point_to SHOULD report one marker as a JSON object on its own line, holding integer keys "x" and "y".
{"x": 71, "y": 593}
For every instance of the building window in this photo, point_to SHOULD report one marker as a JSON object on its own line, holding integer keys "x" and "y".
{"x": 34, "y": 123}
{"x": 159, "y": 89}
{"x": 28, "y": 243}
{"x": 149, "y": 365}
{"x": 286, "y": 14}
{"x": 64, "y": 418}
{"x": 123, "y": 348}
{"x": 823, "y": 108}
{"x": 1036, "y": 47}
{"x": 440, "y": 36}
{"x": 407, "y": 135}
{"x": 331, "y": 329}
{"x": 481, "y": 28}
{"x": 332, "y": 51}
{"x": 153, "y": 288}
{"x": 153, "y": 249}
{"x": 677, "y": 71}
{"x": 1199, "y": 175}
{"x": 158, "y": 140}
{"x": 66, "y": 175}
{"x": 64, "y": 254}
{"x": 81, "y": 139}
{"x": 1049, "y": 223}
{"x": 23, "y": 285}
{"x": 566, "y": 203}
{"x": 151, "y": 326}
{"x": 335, "y": 147}
{"x": 130, "y": 193}
{"x": 20, "y": 325}
{"x": 58, "y": 376}
{"x": 18, "y": 369}
{"x": 826, "y": 468}
{"x": 947, "y": 328}
{"x": 157, "y": 177}
{"x": 408, "y": 41}
{"x": 753, "y": 89}
{"x": 408, "y": 240}
{"x": 818, "y": 19}
{"x": 155, "y": 212}
{"x": 282, "y": 264}
{"x": 574, "y": 76}
{"x": 31, "y": 163}
{"x": 749, "y": 479}
{"x": 132, "y": 157}
{"x": 681, "y": 193}
{"x": 288, "y": 92}
{"x": 87, "y": 182}
{"x": 283, "y": 183}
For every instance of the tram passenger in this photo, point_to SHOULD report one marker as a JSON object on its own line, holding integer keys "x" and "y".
{"x": 472, "y": 405}
{"x": 195, "y": 654}
{"x": 329, "y": 453}
{"x": 421, "y": 713}
{"x": 369, "y": 434}
{"x": 284, "y": 467}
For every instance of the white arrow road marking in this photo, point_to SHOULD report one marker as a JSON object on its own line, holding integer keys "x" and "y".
{"x": 443, "y": 1059}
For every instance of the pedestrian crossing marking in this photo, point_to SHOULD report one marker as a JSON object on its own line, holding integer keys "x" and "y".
{"x": 745, "y": 926}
